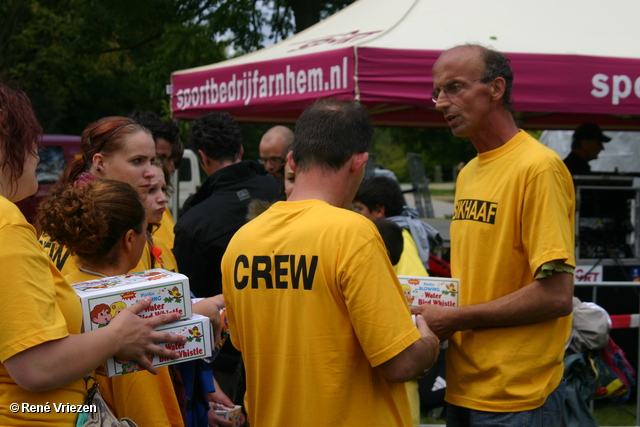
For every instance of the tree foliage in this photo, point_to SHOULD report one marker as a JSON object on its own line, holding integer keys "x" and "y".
{"x": 80, "y": 60}
{"x": 438, "y": 147}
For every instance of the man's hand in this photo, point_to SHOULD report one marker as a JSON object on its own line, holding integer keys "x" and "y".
{"x": 219, "y": 399}
{"x": 440, "y": 319}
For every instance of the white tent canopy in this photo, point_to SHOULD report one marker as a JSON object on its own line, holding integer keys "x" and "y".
{"x": 574, "y": 61}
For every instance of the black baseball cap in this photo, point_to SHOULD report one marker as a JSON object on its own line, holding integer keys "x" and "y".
{"x": 590, "y": 131}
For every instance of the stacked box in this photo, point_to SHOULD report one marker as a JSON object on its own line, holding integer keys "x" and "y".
{"x": 196, "y": 329}
{"x": 103, "y": 298}
{"x": 430, "y": 290}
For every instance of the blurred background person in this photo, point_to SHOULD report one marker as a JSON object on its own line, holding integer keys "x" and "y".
{"x": 212, "y": 217}
{"x": 586, "y": 144}
{"x": 273, "y": 147}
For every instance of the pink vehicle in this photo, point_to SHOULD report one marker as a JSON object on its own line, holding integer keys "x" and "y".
{"x": 56, "y": 152}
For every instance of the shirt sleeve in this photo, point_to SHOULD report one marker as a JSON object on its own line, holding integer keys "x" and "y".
{"x": 548, "y": 220}
{"x": 31, "y": 315}
{"x": 377, "y": 306}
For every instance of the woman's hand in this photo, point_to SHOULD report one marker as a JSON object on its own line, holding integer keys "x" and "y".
{"x": 57, "y": 363}
{"x": 138, "y": 338}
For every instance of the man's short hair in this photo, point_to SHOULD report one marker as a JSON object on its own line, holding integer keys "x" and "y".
{"x": 329, "y": 132}
{"x": 381, "y": 191}
{"x": 158, "y": 127}
{"x": 392, "y": 236}
{"x": 496, "y": 64}
{"x": 218, "y": 136}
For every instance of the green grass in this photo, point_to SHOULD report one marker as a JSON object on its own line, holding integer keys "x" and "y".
{"x": 606, "y": 414}
{"x": 610, "y": 414}
{"x": 441, "y": 192}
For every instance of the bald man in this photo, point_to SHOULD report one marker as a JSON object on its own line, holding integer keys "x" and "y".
{"x": 273, "y": 148}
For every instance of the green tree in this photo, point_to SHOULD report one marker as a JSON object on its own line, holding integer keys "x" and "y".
{"x": 252, "y": 24}
{"x": 80, "y": 60}
{"x": 436, "y": 146}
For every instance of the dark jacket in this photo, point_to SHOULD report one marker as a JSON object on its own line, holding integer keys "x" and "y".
{"x": 577, "y": 165}
{"x": 212, "y": 217}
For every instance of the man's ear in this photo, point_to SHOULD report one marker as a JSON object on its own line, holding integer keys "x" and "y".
{"x": 204, "y": 160}
{"x": 358, "y": 162}
{"x": 498, "y": 86}
{"x": 292, "y": 164}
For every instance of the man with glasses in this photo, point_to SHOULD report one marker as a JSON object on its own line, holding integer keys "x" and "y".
{"x": 512, "y": 246}
{"x": 586, "y": 143}
{"x": 273, "y": 147}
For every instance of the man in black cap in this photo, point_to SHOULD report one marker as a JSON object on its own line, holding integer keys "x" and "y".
{"x": 586, "y": 144}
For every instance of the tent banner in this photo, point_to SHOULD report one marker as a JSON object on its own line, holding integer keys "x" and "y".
{"x": 576, "y": 84}
{"x": 257, "y": 86}
{"x": 542, "y": 83}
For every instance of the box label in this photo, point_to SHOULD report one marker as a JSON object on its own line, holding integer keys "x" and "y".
{"x": 197, "y": 331}
{"x": 441, "y": 291}
{"x": 104, "y": 298}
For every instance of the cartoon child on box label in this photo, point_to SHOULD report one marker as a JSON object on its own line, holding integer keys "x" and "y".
{"x": 117, "y": 307}
{"x": 101, "y": 315}
{"x": 407, "y": 293}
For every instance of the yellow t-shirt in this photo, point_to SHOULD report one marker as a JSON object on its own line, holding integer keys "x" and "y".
{"x": 59, "y": 255}
{"x": 40, "y": 306}
{"x": 315, "y": 306}
{"x": 147, "y": 399}
{"x": 168, "y": 259}
{"x": 513, "y": 212}
{"x": 67, "y": 263}
{"x": 166, "y": 256}
{"x": 410, "y": 263}
{"x": 165, "y": 232}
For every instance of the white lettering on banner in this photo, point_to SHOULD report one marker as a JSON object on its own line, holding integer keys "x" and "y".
{"x": 621, "y": 87}
{"x": 588, "y": 273}
{"x": 254, "y": 85}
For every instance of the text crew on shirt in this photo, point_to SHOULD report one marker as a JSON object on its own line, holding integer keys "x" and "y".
{"x": 288, "y": 271}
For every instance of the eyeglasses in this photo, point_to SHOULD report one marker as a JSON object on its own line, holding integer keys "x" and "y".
{"x": 451, "y": 89}
{"x": 272, "y": 160}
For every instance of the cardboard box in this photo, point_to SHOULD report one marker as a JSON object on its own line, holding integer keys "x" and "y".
{"x": 230, "y": 414}
{"x": 102, "y": 299}
{"x": 430, "y": 290}
{"x": 196, "y": 329}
